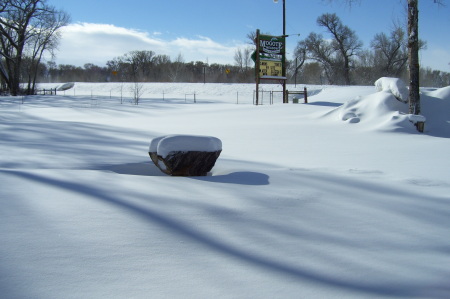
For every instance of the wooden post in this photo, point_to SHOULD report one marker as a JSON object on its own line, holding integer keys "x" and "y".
{"x": 257, "y": 67}
{"x": 420, "y": 125}
{"x": 306, "y": 95}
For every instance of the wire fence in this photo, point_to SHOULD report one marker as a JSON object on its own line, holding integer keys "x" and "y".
{"x": 136, "y": 94}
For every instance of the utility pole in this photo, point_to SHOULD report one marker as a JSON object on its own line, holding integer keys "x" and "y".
{"x": 285, "y": 99}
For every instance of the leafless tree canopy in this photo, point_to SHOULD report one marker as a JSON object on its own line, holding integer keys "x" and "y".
{"x": 28, "y": 28}
{"x": 336, "y": 55}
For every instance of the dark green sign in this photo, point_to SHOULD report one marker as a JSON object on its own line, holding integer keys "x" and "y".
{"x": 271, "y": 45}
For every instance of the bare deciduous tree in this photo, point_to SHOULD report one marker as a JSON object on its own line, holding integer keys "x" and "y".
{"x": 321, "y": 50}
{"x": 345, "y": 41}
{"x": 176, "y": 68}
{"x": 26, "y": 27}
{"x": 45, "y": 37}
{"x": 242, "y": 58}
{"x": 391, "y": 52}
{"x": 336, "y": 55}
{"x": 300, "y": 56}
{"x": 137, "y": 90}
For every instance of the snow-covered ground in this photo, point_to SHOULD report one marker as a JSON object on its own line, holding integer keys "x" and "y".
{"x": 338, "y": 198}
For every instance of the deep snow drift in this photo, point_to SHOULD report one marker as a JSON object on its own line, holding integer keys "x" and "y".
{"x": 338, "y": 198}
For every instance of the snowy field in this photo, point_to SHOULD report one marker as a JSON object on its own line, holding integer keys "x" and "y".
{"x": 337, "y": 198}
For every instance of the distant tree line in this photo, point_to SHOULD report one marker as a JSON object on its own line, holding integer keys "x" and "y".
{"x": 147, "y": 66}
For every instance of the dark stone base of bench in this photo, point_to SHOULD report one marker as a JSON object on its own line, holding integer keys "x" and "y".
{"x": 190, "y": 163}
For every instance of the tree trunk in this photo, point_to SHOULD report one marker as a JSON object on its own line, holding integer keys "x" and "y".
{"x": 413, "y": 56}
{"x": 15, "y": 77}
{"x": 347, "y": 70}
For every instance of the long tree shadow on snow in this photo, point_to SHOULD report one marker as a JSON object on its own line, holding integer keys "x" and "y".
{"x": 149, "y": 169}
{"x": 239, "y": 177}
{"x": 327, "y": 104}
{"x": 217, "y": 244}
{"x": 142, "y": 169}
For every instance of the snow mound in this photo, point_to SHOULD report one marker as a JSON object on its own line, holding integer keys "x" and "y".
{"x": 382, "y": 111}
{"x": 442, "y": 93}
{"x": 166, "y": 144}
{"x": 393, "y": 85}
{"x": 436, "y": 107}
{"x": 66, "y": 86}
{"x": 378, "y": 111}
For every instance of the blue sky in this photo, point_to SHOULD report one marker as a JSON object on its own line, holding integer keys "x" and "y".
{"x": 211, "y": 30}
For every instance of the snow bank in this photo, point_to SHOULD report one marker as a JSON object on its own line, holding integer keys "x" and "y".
{"x": 436, "y": 107}
{"x": 442, "y": 93}
{"x": 184, "y": 143}
{"x": 375, "y": 111}
{"x": 379, "y": 111}
{"x": 393, "y": 85}
{"x": 387, "y": 110}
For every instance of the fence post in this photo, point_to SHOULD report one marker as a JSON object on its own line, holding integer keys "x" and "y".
{"x": 306, "y": 95}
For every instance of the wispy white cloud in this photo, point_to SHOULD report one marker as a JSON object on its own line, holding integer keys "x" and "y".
{"x": 97, "y": 43}
{"x": 203, "y": 48}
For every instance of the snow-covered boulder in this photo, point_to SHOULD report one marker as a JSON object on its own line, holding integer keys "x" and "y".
{"x": 393, "y": 85}
{"x": 185, "y": 155}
